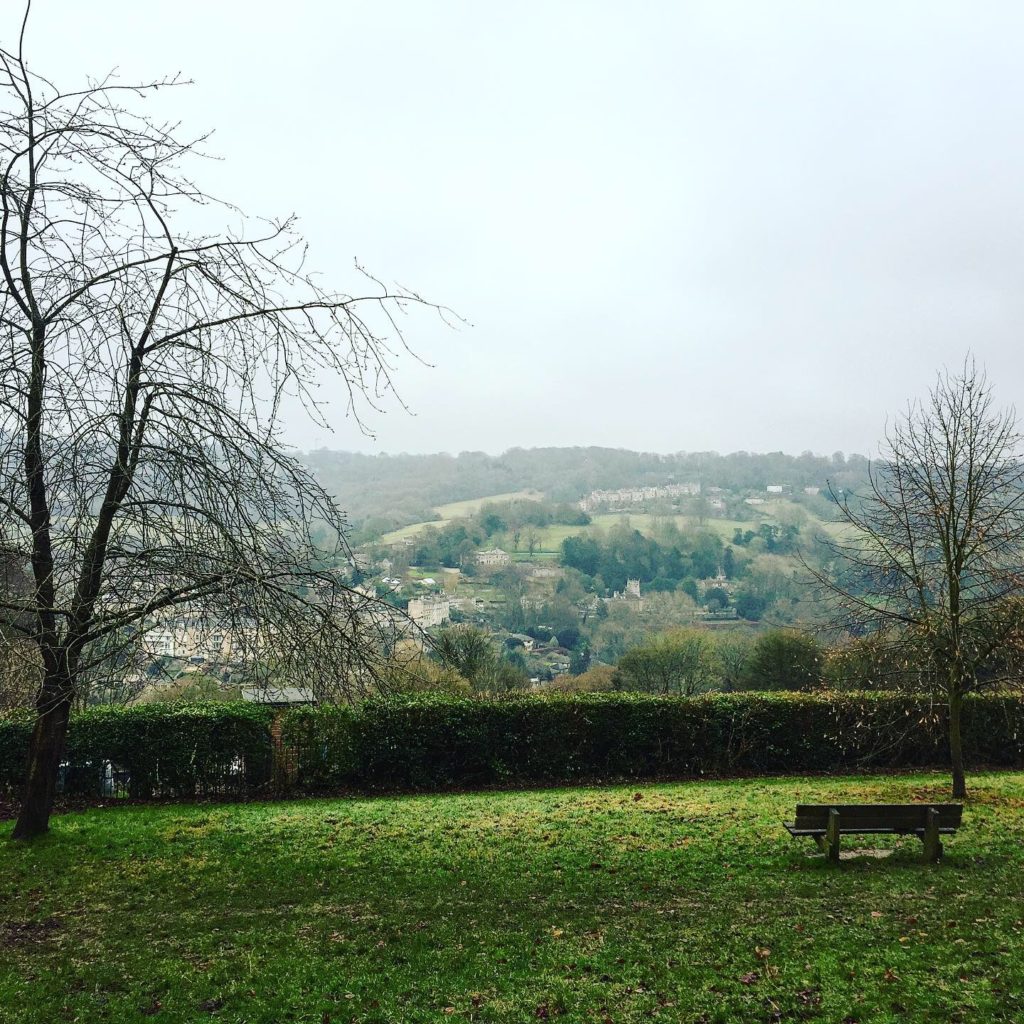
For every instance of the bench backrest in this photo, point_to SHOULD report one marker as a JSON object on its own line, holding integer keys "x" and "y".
{"x": 895, "y": 816}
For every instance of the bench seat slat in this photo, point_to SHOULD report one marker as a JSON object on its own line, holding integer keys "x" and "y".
{"x": 885, "y": 830}
{"x": 877, "y": 822}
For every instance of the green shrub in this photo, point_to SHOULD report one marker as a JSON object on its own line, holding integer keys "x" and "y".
{"x": 14, "y": 737}
{"x": 784, "y": 659}
{"x": 680, "y": 661}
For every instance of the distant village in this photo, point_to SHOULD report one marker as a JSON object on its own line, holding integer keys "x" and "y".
{"x": 183, "y": 651}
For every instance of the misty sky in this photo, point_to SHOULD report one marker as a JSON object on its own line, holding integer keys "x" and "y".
{"x": 672, "y": 226}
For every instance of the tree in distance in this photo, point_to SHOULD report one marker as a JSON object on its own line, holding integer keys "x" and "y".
{"x": 783, "y": 659}
{"x": 148, "y": 354}
{"x": 934, "y": 564}
{"x": 680, "y": 662}
{"x": 472, "y": 654}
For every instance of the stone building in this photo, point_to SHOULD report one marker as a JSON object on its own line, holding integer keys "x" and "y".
{"x": 493, "y": 558}
{"x": 429, "y": 610}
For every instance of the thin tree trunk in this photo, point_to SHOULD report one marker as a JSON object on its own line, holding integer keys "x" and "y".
{"x": 45, "y": 751}
{"x": 956, "y": 748}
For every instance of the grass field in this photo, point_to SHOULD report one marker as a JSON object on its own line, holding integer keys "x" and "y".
{"x": 551, "y": 537}
{"x": 681, "y": 902}
{"x": 458, "y": 510}
{"x": 725, "y": 528}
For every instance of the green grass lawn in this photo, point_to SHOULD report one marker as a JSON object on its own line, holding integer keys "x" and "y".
{"x": 678, "y": 902}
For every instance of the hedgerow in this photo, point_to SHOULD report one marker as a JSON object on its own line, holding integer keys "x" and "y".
{"x": 14, "y": 736}
{"x": 430, "y": 742}
{"x": 180, "y": 750}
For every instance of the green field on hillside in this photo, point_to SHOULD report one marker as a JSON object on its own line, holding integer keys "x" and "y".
{"x": 549, "y": 538}
{"x": 770, "y": 512}
{"x": 459, "y": 510}
{"x": 679, "y": 902}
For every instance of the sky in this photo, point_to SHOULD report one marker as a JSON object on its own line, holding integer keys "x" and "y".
{"x": 667, "y": 226}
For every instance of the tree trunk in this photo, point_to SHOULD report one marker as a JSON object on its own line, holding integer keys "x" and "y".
{"x": 45, "y": 751}
{"x": 956, "y": 747}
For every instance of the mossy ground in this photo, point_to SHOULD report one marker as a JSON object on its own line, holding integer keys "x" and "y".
{"x": 678, "y": 902}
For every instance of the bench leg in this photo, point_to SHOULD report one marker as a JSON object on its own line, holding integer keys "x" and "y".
{"x": 932, "y": 842}
{"x": 832, "y": 837}
{"x": 820, "y": 842}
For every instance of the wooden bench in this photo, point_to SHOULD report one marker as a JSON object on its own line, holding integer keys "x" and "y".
{"x": 825, "y": 823}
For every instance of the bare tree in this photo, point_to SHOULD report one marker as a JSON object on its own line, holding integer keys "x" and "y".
{"x": 933, "y": 566}
{"x": 532, "y": 540}
{"x": 148, "y": 354}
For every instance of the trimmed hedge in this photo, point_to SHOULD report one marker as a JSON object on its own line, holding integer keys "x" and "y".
{"x": 431, "y": 742}
{"x": 179, "y": 750}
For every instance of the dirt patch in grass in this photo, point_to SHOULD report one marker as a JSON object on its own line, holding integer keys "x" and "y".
{"x": 26, "y": 933}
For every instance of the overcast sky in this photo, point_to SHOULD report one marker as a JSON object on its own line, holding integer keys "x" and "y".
{"x": 672, "y": 226}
